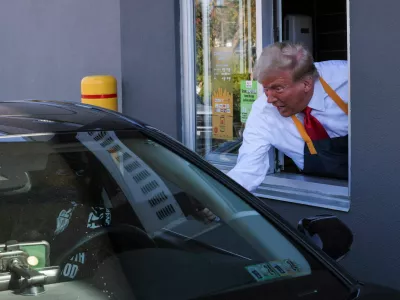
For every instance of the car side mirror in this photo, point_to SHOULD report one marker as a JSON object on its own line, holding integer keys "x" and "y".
{"x": 328, "y": 233}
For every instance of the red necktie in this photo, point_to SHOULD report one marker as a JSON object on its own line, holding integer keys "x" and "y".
{"x": 313, "y": 127}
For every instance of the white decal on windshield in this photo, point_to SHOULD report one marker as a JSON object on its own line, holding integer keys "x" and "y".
{"x": 274, "y": 269}
{"x": 70, "y": 270}
{"x": 99, "y": 217}
{"x": 80, "y": 257}
{"x": 262, "y": 272}
{"x": 285, "y": 267}
{"x": 63, "y": 219}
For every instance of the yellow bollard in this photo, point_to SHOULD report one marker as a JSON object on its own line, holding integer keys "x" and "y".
{"x": 100, "y": 90}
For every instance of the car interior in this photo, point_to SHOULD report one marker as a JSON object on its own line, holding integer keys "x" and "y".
{"x": 115, "y": 214}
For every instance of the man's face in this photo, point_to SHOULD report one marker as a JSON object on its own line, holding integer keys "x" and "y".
{"x": 287, "y": 96}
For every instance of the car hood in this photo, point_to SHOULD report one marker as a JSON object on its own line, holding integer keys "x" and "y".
{"x": 35, "y": 116}
{"x": 377, "y": 292}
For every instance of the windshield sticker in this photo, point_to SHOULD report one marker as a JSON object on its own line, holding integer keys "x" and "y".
{"x": 63, "y": 219}
{"x": 80, "y": 257}
{"x": 99, "y": 217}
{"x": 285, "y": 267}
{"x": 262, "y": 272}
{"x": 274, "y": 269}
{"x": 70, "y": 270}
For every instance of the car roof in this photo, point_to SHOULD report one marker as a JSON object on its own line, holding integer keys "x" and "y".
{"x": 38, "y": 116}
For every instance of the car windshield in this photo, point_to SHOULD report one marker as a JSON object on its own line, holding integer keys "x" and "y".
{"x": 117, "y": 214}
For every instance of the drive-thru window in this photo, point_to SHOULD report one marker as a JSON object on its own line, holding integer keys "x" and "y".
{"x": 227, "y": 37}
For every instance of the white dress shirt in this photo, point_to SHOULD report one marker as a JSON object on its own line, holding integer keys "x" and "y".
{"x": 265, "y": 127}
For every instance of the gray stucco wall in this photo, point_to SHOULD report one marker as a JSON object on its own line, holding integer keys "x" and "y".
{"x": 375, "y": 146}
{"x": 47, "y": 47}
{"x": 150, "y": 38}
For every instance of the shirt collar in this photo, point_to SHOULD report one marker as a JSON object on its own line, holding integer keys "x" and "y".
{"x": 317, "y": 101}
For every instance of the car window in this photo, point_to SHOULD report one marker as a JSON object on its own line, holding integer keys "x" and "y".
{"x": 121, "y": 209}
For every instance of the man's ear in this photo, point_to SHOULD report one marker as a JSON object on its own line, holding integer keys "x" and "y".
{"x": 308, "y": 84}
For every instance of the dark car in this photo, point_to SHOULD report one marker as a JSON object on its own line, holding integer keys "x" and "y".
{"x": 95, "y": 205}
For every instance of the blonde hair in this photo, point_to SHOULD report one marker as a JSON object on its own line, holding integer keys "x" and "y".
{"x": 285, "y": 56}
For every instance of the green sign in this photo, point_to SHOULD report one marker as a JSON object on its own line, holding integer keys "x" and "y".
{"x": 248, "y": 94}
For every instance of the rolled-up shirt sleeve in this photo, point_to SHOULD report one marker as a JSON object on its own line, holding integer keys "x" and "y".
{"x": 252, "y": 163}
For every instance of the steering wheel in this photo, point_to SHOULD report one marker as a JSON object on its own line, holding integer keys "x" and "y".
{"x": 123, "y": 237}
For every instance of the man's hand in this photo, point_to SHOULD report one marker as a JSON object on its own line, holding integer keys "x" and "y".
{"x": 207, "y": 215}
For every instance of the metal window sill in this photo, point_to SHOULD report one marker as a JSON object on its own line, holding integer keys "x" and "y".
{"x": 300, "y": 189}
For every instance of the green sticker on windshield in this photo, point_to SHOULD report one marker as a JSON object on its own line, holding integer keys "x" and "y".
{"x": 274, "y": 269}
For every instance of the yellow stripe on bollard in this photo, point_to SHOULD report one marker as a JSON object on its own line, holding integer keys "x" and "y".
{"x": 100, "y": 90}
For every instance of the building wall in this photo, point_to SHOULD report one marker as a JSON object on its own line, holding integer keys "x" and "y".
{"x": 375, "y": 160}
{"x": 47, "y": 47}
{"x": 150, "y": 37}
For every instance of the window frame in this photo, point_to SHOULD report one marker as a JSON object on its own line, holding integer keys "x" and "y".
{"x": 286, "y": 187}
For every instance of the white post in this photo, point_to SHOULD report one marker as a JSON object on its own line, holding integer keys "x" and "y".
{"x": 249, "y": 52}
{"x": 279, "y": 19}
{"x": 188, "y": 74}
{"x": 206, "y": 66}
{"x": 241, "y": 37}
{"x": 259, "y": 40}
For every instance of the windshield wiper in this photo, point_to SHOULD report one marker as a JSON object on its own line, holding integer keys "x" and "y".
{"x": 207, "y": 246}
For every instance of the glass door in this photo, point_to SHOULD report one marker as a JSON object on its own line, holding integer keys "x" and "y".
{"x": 225, "y": 55}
